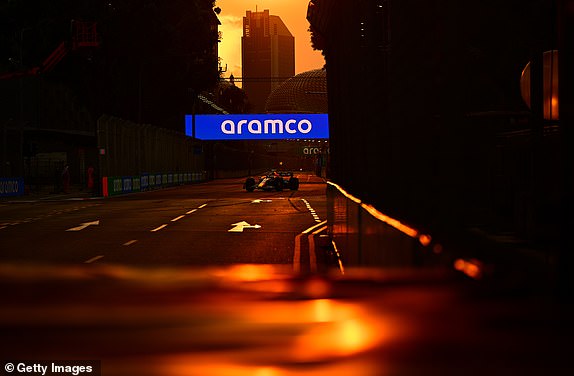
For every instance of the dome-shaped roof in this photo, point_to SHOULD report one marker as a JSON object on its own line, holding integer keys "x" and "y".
{"x": 303, "y": 93}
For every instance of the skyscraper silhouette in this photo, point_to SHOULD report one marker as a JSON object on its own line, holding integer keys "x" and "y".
{"x": 267, "y": 54}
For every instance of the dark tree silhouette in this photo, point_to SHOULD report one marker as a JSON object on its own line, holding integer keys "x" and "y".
{"x": 151, "y": 55}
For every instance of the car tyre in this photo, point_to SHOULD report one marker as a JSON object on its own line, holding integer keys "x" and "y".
{"x": 279, "y": 184}
{"x": 250, "y": 184}
{"x": 294, "y": 184}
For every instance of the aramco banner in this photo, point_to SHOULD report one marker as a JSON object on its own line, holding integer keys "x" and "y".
{"x": 258, "y": 126}
{"x": 11, "y": 187}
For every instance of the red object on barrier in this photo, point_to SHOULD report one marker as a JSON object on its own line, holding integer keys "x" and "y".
{"x": 105, "y": 186}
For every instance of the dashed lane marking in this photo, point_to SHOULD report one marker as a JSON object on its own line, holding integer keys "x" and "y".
{"x": 159, "y": 228}
{"x": 178, "y": 218}
{"x": 94, "y": 259}
{"x": 312, "y": 211}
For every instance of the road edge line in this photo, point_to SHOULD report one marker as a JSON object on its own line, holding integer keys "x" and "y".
{"x": 297, "y": 250}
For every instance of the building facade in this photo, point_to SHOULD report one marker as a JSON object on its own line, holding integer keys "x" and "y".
{"x": 444, "y": 141}
{"x": 66, "y": 74}
{"x": 267, "y": 54}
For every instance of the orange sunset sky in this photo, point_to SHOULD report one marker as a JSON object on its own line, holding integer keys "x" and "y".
{"x": 292, "y": 12}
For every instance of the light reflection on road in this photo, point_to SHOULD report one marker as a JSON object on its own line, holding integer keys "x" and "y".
{"x": 263, "y": 320}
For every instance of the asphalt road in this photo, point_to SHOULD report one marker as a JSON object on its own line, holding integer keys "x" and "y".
{"x": 81, "y": 290}
{"x": 214, "y": 223}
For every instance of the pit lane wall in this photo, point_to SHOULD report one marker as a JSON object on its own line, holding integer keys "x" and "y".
{"x": 130, "y": 149}
{"x": 141, "y": 157}
{"x": 364, "y": 236}
{"x": 119, "y": 185}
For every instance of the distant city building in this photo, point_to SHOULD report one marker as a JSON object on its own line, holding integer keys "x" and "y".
{"x": 267, "y": 54}
{"x": 304, "y": 93}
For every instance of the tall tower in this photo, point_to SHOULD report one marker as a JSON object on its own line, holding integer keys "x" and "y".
{"x": 267, "y": 56}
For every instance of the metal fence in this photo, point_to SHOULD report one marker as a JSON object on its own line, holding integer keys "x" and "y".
{"x": 127, "y": 149}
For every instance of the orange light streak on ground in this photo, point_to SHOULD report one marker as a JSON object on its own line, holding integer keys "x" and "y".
{"x": 186, "y": 365}
{"x": 285, "y": 332}
{"x": 323, "y": 310}
{"x": 214, "y": 366}
{"x": 472, "y": 268}
{"x": 351, "y": 331}
{"x": 425, "y": 239}
{"x": 249, "y": 272}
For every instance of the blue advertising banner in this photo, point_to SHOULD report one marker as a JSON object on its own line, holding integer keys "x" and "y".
{"x": 258, "y": 126}
{"x": 11, "y": 187}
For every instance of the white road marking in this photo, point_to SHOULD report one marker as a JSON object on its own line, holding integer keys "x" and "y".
{"x": 178, "y": 218}
{"x": 93, "y": 259}
{"x": 311, "y": 210}
{"x": 238, "y": 227}
{"x": 341, "y": 268}
{"x": 158, "y": 228}
{"x": 297, "y": 251}
{"x": 259, "y": 201}
{"x": 312, "y": 254}
{"x": 130, "y": 242}
{"x": 84, "y": 225}
{"x": 314, "y": 227}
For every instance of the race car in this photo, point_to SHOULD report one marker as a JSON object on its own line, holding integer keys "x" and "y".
{"x": 273, "y": 180}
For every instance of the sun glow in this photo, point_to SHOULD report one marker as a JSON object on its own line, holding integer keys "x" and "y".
{"x": 292, "y": 12}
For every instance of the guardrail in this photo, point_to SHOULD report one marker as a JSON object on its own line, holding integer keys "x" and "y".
{"x": 364, "y": 236}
